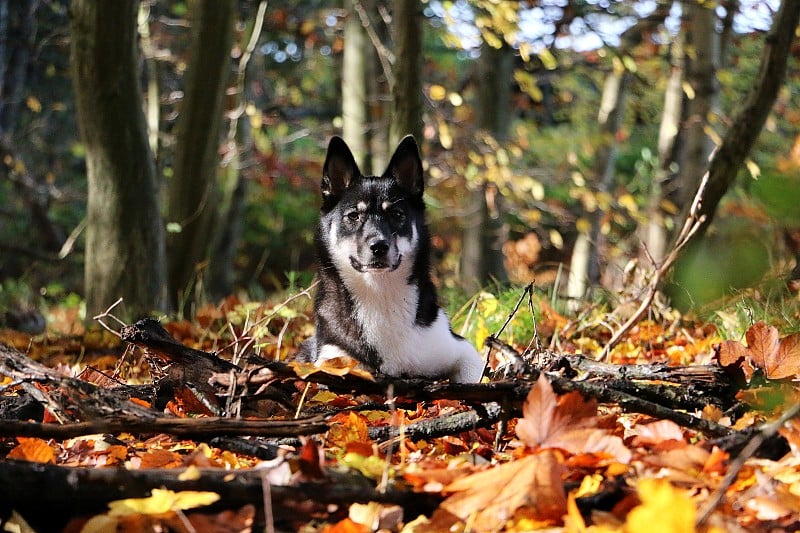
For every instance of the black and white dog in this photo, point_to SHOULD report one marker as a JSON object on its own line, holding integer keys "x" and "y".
{"x": 376, "y": 301}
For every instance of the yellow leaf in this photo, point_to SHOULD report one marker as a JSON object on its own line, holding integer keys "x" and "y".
{"x": 190, "y": 474}
{"x": 487, "y": 304}
{"x": 437, "y": 92}
{"x": 548, "y": 59}
{"x": 664, "y": 509}
{"x": 481, "y": 332}
{"x": 753, "y": 168}
{"x": 34, "y": 104}
{"x": 162, "y": 501}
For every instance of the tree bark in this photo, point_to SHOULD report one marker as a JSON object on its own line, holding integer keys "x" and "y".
{"x": 124, "y": 235}
{"x": 192, "y": 194}
{"x": 700, "y": 60}
{"x": 356, "y": 66}
{"x": 654, "y": 232}
{"x": 485, "y": 229}
{"x": 750, "y": 118}
{"x": 407, "y": 91}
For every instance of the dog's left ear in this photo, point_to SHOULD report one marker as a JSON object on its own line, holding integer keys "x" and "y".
{"x": 406, "y": 167}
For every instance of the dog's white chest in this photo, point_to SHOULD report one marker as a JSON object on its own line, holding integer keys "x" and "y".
{"x": 385, "y": 308}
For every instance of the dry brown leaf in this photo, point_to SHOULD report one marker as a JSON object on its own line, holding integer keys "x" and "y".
{"x": 568, "y": 422}
{"x": 763, "y": 341}
{"x": 657, "y": 432}
{"x": 733, "y": 353}
{"x": 787, "y": 360}
{"x": 494, "y": 495}
{"x": 160, "y": 459}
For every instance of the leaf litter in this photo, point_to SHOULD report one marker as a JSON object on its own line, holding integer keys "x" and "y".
{"x": 557, "y": 460}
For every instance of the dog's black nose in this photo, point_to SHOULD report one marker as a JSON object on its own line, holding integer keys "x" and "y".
{"x": 379, "y": 247}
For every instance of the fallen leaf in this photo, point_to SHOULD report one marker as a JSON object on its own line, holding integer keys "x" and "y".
{"x": 763, "y": 341}
{"x": 568, "y": 422}
{"x": 664, "y": 509}
{"x": 33, "y": 450}
{"x": 346, "y": 428}
{"x": 494, "y": 495}
{"x": 787, "y": 361}
{"x": 157, "y": 458}
{"x": 162, "y": 501}
{"x": 657, "y": 432}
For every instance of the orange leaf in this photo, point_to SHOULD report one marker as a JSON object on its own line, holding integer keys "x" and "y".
{"x": 733, "y": 353}
{"x": 33, "y": 450}
{"x": 346, "y": 428}
{"x": 494, "y": 495}
{"x": 160, "y": 459}
{"x": 568, "y": 422}
{"x": 763, "y": 341}
{"x": 788, "y": 358}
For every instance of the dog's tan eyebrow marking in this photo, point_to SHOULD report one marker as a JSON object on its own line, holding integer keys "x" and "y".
{"x": 388, "y": 205}
{"x": 361, "y": 206}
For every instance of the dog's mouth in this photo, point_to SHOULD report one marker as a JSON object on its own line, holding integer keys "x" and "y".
{"x": 377, "y": 265}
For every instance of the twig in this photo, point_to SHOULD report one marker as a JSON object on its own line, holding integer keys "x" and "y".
{"x": 385, "y": 56}
{"x": 691, "y": 225}
{"x": 766, "y": 432}
{"x": 241, "y": 70}
{"x": 107, "y": 313}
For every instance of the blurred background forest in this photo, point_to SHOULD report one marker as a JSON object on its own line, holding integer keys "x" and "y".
{"x": 170, "y": 152}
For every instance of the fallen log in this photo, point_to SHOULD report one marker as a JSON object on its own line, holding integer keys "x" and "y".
{"x": 75, "y": 491}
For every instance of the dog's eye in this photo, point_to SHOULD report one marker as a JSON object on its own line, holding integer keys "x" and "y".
{"x": 398, "y": 215}
{"x": 353, "y": 216}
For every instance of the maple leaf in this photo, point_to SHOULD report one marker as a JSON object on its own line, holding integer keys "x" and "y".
{"x": 778, "y": 358}
{"x": 568, "y": 422}
{"x": 494, "y": 495}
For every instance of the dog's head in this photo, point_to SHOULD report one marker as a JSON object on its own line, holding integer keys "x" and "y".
{"x": 372, "y": 224}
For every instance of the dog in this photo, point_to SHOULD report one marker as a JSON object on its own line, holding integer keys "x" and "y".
{"x": 376, "y": 302}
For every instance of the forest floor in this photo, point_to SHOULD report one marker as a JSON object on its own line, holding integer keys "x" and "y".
{"x": 207, "y": 425}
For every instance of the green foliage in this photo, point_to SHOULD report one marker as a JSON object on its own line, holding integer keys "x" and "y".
{"x": 737, "y": 255}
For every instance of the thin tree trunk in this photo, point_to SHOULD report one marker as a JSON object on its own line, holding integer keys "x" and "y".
{"x": 609, "y": 119}
{"x": 124, "y": 235}
{"x": 407, "y": 92}
{"x": 192, "y": 197}
{"x": 702, "y": 51}
{"x": 356, "y": 65}
{"x": 485, "y": 229}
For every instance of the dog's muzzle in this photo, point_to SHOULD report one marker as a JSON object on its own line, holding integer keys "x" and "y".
{"x": 377, "y": 255}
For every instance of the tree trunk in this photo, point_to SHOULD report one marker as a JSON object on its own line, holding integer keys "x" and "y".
{"x": 407, "y": 91}
{"x": 750, "y": 118}
{"x": 124, "y": 234}
{"x": 356, "y": 67}
{"x": 485, "y": 229}
{"x": 702, "y": 51}
{"x": 192, "y": 197}
{"x": 609, "y": 120}
{"x": 654, "y": 232}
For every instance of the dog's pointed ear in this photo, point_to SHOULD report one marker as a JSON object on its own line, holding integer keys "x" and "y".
{"x": 406, "y": 167}
{"x": 339, "y": 170}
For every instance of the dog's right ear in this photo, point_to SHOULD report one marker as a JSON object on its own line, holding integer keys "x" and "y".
{"x": 339, "y": 171}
